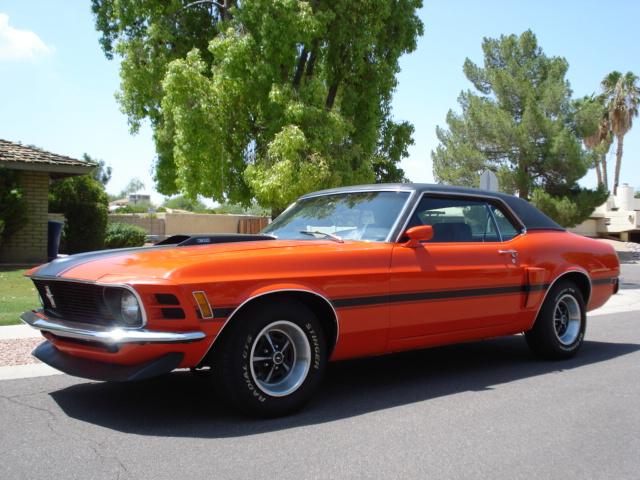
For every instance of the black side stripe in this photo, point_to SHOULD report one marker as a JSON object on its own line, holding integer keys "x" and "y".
{"x": 417, "y": 296}
{"x": 441, "y": 295}
{"x": 60, "y": 265}
{"x": 223, "y": 312}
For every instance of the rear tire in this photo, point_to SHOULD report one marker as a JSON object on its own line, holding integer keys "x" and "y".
{"x": 271, "y": 360}
{"x": 560, "y": 327}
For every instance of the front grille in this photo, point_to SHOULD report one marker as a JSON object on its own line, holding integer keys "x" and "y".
{"x": 76, "y": 302}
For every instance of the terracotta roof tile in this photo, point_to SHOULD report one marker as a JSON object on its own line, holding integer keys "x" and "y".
{"x": 16, "y": 152}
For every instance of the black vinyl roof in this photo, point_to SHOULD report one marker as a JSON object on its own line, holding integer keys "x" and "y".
{"x": 531, "y": 217}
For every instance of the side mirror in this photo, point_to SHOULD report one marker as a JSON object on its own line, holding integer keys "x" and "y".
{"x": 422, "y": 233}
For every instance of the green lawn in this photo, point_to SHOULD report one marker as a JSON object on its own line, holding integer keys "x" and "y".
{"x": 17, "y": 294}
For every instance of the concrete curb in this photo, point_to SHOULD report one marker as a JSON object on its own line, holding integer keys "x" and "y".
{"x": 10, "y": 332}
{"x": 14, "y": 372}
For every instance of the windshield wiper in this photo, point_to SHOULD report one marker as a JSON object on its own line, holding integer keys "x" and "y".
{"x": 330, "y": 236}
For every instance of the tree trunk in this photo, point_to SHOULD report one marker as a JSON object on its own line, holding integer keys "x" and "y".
{"x": 331, "y": 96}
{"x": 312, "y": 58}
{"x": 598, "y": 172}
{"x": 224, "y": 11}
{"x": 275, "y": 212}
{"x": 616, "y": 178}
{"x": 603, "y": 165}
{"x": 300, "y": 68}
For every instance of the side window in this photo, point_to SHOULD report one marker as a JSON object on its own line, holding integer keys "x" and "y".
{"x": 507, "y": 230}
{"x": 456, "y": 220}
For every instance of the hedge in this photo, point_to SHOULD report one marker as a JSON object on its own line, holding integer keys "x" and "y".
{"x": 121, "y": 235}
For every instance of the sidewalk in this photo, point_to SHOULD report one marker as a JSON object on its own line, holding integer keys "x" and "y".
{"x": 16, "y": 344}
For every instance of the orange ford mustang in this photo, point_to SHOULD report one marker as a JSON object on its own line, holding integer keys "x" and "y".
{"x": 342, "y": 273}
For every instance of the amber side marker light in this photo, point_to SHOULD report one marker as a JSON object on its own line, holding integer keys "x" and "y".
{"x": 203, "y": 304}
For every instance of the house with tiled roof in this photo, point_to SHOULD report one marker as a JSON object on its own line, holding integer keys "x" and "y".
{"x": 38, "y": 168}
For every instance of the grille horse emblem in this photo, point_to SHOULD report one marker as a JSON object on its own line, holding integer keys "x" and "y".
{"x": 49, "y": 295}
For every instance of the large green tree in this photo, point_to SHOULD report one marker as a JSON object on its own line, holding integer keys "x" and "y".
{"x": 622, "y": 96}
{"x": 263, "y": 99}
{"x": 519, "y": 124}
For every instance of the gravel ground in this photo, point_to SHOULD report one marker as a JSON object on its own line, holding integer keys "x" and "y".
{"x": 17, "y": 351}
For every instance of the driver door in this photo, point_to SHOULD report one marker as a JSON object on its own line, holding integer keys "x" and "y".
{"x": 465, "y": 280}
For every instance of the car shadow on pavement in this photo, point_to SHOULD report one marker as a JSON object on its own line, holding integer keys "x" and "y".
{"x": 183, "y": 404}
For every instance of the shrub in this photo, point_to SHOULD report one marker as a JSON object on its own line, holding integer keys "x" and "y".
{"x": 13, "y": 206}
{"x": 571, "y": 209}
{"x": 84, "y": 204}
{"x": 121, "y": 235}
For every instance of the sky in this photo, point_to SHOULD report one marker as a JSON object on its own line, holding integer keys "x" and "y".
{"x": 57, "y": 89}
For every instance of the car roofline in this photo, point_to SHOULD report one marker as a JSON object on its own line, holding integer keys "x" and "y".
{"x": 519, "y": 208}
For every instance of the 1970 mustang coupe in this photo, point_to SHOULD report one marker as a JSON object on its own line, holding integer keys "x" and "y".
{"x": 342, "y": 273}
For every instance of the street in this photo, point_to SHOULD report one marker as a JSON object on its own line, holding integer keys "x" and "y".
{"x": 480, "y": 410}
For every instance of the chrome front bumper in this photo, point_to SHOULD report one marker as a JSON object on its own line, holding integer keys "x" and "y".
{"x": 107, "y": 335}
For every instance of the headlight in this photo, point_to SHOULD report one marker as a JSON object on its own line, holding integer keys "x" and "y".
{"x": 130, "y": 309}
{"x": 124, "y": 307}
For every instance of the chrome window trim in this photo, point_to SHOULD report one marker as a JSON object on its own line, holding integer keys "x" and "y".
{"x": 523, "y": 228}
{"x": 237, "y": 309}
{"x": 112, "y": 285}
{"x": 493, "y": 220}
{"x": 406, "y": 206}
{"x": 412, "y": 192}
{"x": 355, "y": 190}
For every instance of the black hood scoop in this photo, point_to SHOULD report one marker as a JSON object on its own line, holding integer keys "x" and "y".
{"x": 187, "y": 240}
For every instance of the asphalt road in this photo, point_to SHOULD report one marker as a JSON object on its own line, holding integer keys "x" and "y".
{"x": 480, "y": 410}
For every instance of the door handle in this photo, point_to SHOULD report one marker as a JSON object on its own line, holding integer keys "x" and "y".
{"x": 513, "y": 253}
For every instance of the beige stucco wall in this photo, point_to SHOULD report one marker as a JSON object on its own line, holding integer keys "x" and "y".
{"x": 176, "y": 223}
{"x": 588, "y": 228}
{"x": 167, "y": 224}
{"x": 153, "y": 224}
{"x": 29, "y": 244}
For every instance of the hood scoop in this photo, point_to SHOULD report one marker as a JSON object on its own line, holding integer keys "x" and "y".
{"x": 188, "y": 240}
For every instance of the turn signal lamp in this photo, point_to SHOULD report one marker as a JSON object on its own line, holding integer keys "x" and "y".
{"x": 203, "y": 304}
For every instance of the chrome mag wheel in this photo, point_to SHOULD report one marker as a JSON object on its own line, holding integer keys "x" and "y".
{"x": 280, "y": 358}
{"x": 566, "y": 319}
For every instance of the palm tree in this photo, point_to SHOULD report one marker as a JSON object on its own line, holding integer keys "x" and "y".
{"x": 622, "y": 95}
{"x": 592, "y": 123}
{"x": 600, "y": 142}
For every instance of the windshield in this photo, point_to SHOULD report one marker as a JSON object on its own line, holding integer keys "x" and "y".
{"x": 366, "y": 216}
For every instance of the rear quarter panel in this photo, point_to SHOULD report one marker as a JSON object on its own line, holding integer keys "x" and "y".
{"x": 557, "y": 253}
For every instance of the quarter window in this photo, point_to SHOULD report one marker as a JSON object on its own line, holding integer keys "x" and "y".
{"x": 507, "y": 230}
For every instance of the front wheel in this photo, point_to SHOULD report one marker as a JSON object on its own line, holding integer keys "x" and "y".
{"x": 559, "y": 329}
{"x": 272, "y": 360}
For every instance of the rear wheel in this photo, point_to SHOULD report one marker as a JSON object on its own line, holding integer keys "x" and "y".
{"x": 272, "y": 360}
{"x": 559, "y": 329}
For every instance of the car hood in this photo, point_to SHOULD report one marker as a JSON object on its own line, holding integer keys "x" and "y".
{"x": 159, "y": 262}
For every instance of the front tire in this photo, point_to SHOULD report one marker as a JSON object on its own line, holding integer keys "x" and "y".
{"x": 560, "y": 327}
{"x": 272, "y": 359}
